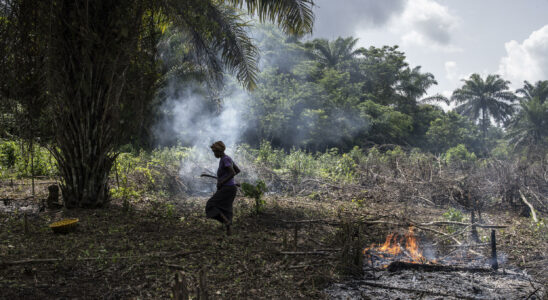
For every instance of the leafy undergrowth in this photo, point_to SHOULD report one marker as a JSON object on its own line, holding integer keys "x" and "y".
{"x": 118, "y": 254}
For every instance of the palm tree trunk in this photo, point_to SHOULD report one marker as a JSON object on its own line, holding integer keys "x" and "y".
{"x": 90, "y": 81}
{"x": 484, "y": 124}
{"x": 85, "y": 160}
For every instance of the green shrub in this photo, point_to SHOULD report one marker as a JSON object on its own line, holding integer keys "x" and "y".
{"x": 269, "y": 156}
{"x": 300, "y": 163}
{"x": 255, "y": 191}
{"x": 15, "y": 160}
{"x": 8, "y": 156}
{"x": 459, "y": 155}
{"x": 453, "y": 215}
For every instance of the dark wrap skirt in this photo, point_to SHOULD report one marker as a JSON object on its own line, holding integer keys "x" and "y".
{"x": 221, "y": 201}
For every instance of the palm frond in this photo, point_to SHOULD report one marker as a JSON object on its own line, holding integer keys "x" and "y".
{"x": 219, "y": 38}
{"x": 293, "y": 16}
{"x": 436, "y": 99}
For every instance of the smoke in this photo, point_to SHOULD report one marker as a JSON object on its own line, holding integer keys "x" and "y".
{"x": 195, "y": 116}
{"x": 198, "y": 124}
{"x": 196, "y": 119}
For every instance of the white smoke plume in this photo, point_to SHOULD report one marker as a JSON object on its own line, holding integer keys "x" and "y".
{"x": 197, "y": 122}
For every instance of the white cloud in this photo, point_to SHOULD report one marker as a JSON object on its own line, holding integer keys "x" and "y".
{"x": 345, "y": 18}
{"x": 528, "y": 60}
{"x": 447, "y": 93}
{"x": 451, "y": 70}
{"x": 428, "y": 23}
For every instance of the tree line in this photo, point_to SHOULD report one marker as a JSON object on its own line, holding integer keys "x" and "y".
{"x": 327, "y": 93}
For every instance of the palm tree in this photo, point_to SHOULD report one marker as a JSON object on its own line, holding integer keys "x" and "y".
{"x": 413, "y": 84}
{"x": 529, "y": 91}
{"x": 531, "y": 128}
{"x": 481, "y": 100}
{"x": 102, "y": 70}
{"x": 332, "y": 53}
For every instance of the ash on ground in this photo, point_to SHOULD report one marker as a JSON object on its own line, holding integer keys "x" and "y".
{"x": 408, "y": 284}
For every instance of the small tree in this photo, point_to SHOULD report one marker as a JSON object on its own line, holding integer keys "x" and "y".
{"x": 256, "y": 192}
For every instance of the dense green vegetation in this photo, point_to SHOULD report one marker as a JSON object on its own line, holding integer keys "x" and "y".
{"x": 322, "y": 94}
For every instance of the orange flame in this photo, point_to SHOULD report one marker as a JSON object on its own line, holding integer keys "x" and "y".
{"x": 393, "y": 246}
{"x": 412, "y": 246}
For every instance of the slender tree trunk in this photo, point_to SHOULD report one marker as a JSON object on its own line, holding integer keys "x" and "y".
{"x": 484, "y": 123}
{"x": 484, "y": 129}
{"x": 32, "y": 165}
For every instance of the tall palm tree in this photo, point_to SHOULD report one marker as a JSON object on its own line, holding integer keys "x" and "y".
{"x": 529, "y": 91}
{"x": 102, "y": 69}
{"x": 331, "y": 53}
{"x": 530, "y": 130}
{"x": 483, "y": 100}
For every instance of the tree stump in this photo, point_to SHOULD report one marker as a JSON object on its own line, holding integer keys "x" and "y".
{"x": 53, "y": 197}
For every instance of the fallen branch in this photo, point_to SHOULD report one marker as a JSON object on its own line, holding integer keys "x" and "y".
{"x": 439, "y": 232}
{"x": 335, "y": 223}
{"x": 53, "y": 260}
{"x": 452, "y": 235}
{"x": 536, "y": 197}
{"x": 470, "y": 246}
{"x": 303, "y": 253}
{"x": 424, "y": 199}
{"x": 308, "y": 221}
{"x": 306, "y": 266}
{"x": 533, "y": 213}
{"x": 400, "y": 265}
{"x": 443, "y": 223}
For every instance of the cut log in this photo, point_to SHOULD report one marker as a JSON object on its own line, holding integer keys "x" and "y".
{"x": 400, "y": 265}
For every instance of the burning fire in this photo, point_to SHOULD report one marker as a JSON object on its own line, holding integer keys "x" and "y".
{"x": 397, "y": 247}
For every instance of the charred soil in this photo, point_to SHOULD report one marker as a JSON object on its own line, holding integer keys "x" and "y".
{"x": 295, "y": 249}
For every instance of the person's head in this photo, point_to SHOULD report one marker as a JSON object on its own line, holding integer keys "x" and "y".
{"x": 218, "y": 149}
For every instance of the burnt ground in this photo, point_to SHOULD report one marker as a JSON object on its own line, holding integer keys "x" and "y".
{"x": 125, "y": 254}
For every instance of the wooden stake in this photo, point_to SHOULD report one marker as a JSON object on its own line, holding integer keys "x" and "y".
{"x": 180, "y": 289}
{"x": 202, "y": 295}
{"x": 32, "y": 167}
{"x": 296, "y": 236}
{"x": 474, "y": 231}
{"x": 116, "y": 172}
{"x": 26, "y": 224}
{"x": 494, "y": 262}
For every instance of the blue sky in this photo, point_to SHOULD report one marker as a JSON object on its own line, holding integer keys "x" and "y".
{"x": 448, "y": 38}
